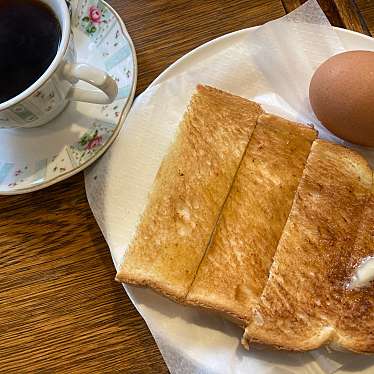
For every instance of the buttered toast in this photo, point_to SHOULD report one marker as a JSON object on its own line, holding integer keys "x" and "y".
{"x": 301, "y": 307}
{"x": 189, "y": 191}
{"x": 251, "y": 217}
{"x": 236, "y": 266}
{"x": 355, "y": 326}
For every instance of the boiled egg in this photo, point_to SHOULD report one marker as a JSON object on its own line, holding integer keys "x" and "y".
{"x": 341, "y": 94}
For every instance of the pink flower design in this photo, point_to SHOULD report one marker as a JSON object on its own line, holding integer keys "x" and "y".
{"x": 94, "y": 142}
{"x": 95, "y": 14}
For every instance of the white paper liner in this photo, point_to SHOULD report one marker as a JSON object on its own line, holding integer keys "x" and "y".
{"x": 272, "y": 65}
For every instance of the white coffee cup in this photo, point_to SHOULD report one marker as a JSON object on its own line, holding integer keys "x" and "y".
{"x": 50, "y": 94}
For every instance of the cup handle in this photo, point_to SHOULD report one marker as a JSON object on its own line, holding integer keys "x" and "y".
{"x": 96, "y": 77}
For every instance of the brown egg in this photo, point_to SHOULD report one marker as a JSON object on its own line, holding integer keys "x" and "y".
{"x": 341, "y": 93}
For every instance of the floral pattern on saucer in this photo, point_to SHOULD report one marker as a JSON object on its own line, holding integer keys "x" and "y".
{"x": 72, "y": 156}
{"x": 101, "y": 40}
{"x": 94, "y": 18}
{"x": 90, "y": 142}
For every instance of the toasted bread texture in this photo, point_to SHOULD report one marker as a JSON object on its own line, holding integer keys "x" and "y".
{"x": 355, "y": 327}
{"x": 302, "y": 303}
{"x": 236, "y": 266}
{"x": 188, "y": 193}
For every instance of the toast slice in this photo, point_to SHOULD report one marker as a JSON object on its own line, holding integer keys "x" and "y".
{"x": 355, "y": 327}
{"x": 188, "y": 193}
{"x": 301, "y": 304}
{"x": 236, "y": 266}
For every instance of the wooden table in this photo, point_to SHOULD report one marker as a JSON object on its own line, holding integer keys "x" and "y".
{"x": 60, "y": 308}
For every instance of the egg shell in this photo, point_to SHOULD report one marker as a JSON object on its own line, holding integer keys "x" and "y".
{"x": 341, "y": 94}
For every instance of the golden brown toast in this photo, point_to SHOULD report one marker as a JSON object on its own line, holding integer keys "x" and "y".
{"x": 301, "y": 305}
{"x": 236, "y": 266}
{"x": 188, "y": 193}
{"x": 355, "y": 326}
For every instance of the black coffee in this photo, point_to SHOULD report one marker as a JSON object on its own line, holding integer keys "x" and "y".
{"x": 29, "y": 38}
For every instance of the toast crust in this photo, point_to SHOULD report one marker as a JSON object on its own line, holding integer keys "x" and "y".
{"x": 188, "y": 193}
{"x": 236, "y": 266}
{"x": 302, "y": 301}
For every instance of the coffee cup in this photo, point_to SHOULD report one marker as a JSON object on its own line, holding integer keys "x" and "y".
{"x": 48, "y": 96}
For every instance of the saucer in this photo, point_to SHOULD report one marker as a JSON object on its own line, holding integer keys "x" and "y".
{"x": 31, "y": 159}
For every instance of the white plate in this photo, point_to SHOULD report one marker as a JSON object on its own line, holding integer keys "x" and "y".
{"x": 106, "y": 191}
{"x": 31, "y": 159}
{"x": 208, "y": 49}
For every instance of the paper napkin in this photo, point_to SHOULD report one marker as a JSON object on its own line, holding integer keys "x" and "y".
{"x": 273, "y": 65}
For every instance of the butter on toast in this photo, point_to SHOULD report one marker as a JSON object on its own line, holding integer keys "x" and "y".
{"x": 236, "y": 266}
{"x": 301, "y": 305}
{"x": 188, "y": 193}
{"x": 355, "y": 327}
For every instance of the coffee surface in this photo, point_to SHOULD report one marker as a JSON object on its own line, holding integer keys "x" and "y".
{"x": 30, "y": 35}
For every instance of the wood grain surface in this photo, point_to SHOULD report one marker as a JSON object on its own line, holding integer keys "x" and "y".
{"x": 341, "y": 13}
{"x": 60, "y": 309}
{"x": 366, "y": 9}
